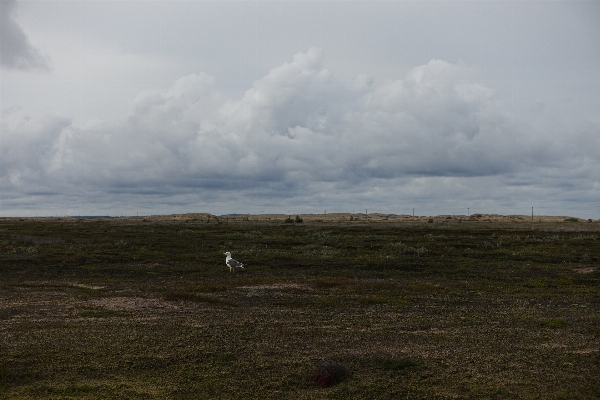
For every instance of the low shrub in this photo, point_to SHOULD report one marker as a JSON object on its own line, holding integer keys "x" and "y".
{"x": 329, "y": 373}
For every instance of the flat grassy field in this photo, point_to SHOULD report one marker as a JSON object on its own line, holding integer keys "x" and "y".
{"x": 408, "y": 308}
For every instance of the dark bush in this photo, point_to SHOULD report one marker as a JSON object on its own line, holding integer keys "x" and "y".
{"x": 329, "y": 373}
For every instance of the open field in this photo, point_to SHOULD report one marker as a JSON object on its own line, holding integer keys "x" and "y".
{"x": 460, "y": 307}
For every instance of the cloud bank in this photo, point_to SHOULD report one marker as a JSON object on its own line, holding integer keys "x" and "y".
{"x": 299, "y": 137}
{"x": 16, "y": 52}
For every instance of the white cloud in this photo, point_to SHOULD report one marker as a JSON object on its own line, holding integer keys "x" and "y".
{"x": 301, "y": 136}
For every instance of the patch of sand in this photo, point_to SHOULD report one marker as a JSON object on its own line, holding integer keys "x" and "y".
{"x": 277, "y": 286}
{"x": 588, "y": 270}
{"x": 81, "y": 285}
{"x": 131, "y": 304}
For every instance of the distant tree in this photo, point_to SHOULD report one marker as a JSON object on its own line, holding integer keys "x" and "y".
{"x": 299, "y": 220}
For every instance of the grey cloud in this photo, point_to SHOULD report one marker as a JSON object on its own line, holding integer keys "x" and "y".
{"x": 28, "y": 146}
{"x": 300, "y": 134}
{"x": 16, "y": 52}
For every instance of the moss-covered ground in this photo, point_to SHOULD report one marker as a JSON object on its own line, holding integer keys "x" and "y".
{"x": 146, "y": 308}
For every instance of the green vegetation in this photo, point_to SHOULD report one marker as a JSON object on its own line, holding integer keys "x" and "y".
{"x": 145, "y": 308}
{"x": 387, "y": 362}
{"x": 555, "y": 323}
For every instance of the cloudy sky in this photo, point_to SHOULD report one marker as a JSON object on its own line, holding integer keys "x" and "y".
{"x": 158, "y": 107}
